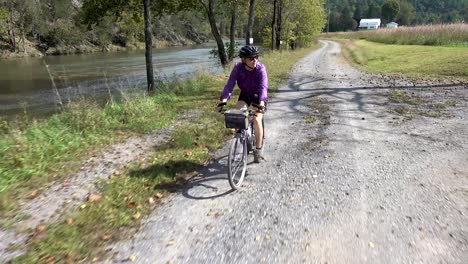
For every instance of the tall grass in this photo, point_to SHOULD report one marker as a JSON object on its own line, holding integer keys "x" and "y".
{"x": 431, "y": 35}
{"x": 34, "y": 152}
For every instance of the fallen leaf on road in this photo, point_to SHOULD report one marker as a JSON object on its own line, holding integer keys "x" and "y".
{"x": 32, "y": 194}
{"x": 40, "y": 228}
{"x": 70, "y": 221}
{"x": 132, "y": 258}
{"x": 94, "y": 197}
{"x": 218, "y": 214}
{"x": 83, "y": 206}
{"x": 151, "y": 200}
{"x": 170, "y": 243}
{"x": 159, "y": 195}
{"x": 49, "y": 259}
{"x": 136, "y": 216}
{"x": 371, "y": 245}
{"x": 257, "y": 238}
{"x": 105, "y": 237}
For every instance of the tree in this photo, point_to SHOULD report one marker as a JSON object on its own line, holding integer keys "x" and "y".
{"x": 407, "y": 13}
{"x": 357, "y": 13}
{"x": 273, "y": 25}
{"x": 148, "y": 47}
{"x": 373, "y": 11}
{"x": 346, "y": 21}
{"x": 232, "y": 31}
{"x": 390, "y": 10}
{"x": 209, "y": 8}
{"x": 289, "y": 21}
{"x": 250, "y": 23}
{"x": 95, "y": 10}
{"x": 306, "y": 20}
{"x": 3, "y": 22}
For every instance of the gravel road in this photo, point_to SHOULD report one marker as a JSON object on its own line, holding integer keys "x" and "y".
{"x": 346, "y": 180}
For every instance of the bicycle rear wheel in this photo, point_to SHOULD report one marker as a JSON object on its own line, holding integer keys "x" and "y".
{"x": 237, "y": 161}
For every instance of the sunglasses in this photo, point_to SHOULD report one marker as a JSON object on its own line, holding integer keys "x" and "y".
{"x": 253, "y": 58}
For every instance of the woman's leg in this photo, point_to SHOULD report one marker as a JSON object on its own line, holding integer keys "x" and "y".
{"x": 258, "y": 130}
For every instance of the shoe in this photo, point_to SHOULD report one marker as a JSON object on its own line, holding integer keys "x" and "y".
{"x": 258, "y": 155}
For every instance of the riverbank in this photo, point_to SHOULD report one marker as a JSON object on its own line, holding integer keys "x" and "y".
{"x": 30, "y": 49}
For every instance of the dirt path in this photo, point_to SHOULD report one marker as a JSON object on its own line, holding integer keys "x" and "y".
{"x": 358, "y": 185}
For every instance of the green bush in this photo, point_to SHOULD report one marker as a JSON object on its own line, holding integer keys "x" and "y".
{"x": 63, "y": 32}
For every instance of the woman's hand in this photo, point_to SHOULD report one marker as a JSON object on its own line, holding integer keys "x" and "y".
{"x": 220, "y": 105}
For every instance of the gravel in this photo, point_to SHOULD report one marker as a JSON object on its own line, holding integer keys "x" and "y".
{"x": 356, "y": 183}
{"x": 374, "y": 187}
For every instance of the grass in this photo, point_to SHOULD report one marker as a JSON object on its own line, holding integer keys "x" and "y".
{"x": 397, "y": 96}
{"x": 412, "y": 61}
{"x": 409, "y": 105}
{"x": 431, "y": 35}
{"x": 132, "y": 194}
{"x": 320, "y": 117}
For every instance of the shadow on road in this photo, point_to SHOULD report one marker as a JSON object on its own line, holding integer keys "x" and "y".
{"x": 210, "y": 180}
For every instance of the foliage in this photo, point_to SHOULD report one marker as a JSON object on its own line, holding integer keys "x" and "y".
{"x": 309, "y": 19}
{"x": 405, "y": 12}
{"x": 3, "y": 22}
{"x": 302, "y": 21}
{"x": 390, "y": 10}
{"x": 62, "y": 32}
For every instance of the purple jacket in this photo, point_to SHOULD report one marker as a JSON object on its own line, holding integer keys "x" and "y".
{"x": 249, "y": 82}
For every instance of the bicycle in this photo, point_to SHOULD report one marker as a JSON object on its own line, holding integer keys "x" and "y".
{"x": 241, "y": 145}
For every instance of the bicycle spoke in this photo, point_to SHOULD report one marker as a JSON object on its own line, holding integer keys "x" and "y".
{"x": 237, "y": 162}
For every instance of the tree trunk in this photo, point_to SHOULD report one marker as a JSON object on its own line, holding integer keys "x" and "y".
{"x": 148, "y": 47}
{"x": 215, "y": 32}
{"x": 232, "y": 30}
{"x": 279, "y": 24}
{"x": 273, "y": 27}
{"x": 11, "y": 29}
{"x": 250, "y": 23}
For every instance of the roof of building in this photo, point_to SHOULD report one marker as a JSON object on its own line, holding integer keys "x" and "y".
{"x": 370, "y": 20}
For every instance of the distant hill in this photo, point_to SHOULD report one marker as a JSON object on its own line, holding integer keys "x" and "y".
{"x": 345, "y": 14}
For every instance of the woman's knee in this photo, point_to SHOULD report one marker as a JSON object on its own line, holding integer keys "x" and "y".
{"x": 258, "y": 119}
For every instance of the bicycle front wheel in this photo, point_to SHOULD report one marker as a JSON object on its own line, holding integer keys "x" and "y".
{"x": 237, "y": 162}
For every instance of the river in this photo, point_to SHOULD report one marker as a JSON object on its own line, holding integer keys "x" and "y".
{"x": 26, "y": 84}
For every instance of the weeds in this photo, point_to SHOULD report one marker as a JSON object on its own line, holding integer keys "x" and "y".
{"x": 403, "y": 97}
{"x": 410, "y": 105}
{"x": 429, "y": 35}
{"x": 321, "y": 117}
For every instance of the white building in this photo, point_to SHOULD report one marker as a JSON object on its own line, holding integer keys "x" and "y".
{"x": 369, "y": 23}
{"x": 392, "y": 25}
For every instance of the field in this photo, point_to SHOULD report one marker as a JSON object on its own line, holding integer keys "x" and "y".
{"x": 431, "y": 35}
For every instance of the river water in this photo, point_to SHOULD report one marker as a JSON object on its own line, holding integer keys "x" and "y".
{"x": 26, "y": 84}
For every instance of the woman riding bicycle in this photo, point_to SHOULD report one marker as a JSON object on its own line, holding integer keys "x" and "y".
{"x": 251, "y": 77}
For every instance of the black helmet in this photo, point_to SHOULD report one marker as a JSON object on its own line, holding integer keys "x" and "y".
{"x": 248, "y": 51}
